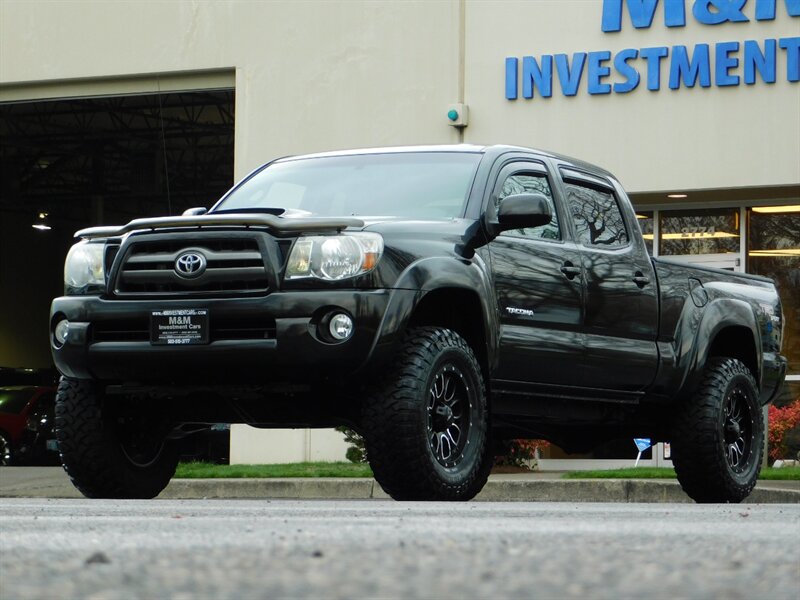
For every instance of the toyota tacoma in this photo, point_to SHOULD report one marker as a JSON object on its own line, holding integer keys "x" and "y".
{"x": 438, "y": 300}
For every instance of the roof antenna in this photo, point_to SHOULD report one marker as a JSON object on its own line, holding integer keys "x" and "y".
{"x": 164, "y": 145}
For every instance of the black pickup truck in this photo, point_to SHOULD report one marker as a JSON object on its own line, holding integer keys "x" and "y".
{"x": 435, "y": 299}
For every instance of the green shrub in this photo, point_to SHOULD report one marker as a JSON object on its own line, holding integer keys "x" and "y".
{"x": 357, "y": 452}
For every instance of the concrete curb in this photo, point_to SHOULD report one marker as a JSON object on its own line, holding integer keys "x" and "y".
{"x": 289, "y": 488}
{"x": 612, "y": 490}
{"x": 515, "y": 490}
{"x": 500, "y": 488}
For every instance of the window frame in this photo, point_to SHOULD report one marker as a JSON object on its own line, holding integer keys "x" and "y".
{"x": 571, "y": 176}
{"x": 539, "y": 169}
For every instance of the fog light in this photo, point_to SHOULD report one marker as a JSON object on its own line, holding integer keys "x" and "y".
{"x": 341, "y": 326}
{"x": 61, "y": 332}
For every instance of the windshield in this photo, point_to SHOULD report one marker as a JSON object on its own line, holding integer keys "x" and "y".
{"x": 418, "y": 185}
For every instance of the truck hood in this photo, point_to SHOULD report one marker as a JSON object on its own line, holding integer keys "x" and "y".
{"x": 444, "y": 237}
{"x": 268, "y": 221}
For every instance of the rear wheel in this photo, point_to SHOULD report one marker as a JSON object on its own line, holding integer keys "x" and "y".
{"x": 106, "y": 452}
{"x": 426, "y": 425}
{"x": 718, "y": 435}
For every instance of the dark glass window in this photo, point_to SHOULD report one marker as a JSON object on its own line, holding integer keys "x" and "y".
{"x": 14, "y": 399}
{"x": 598, "y": 219}
{"x": 646, "y": 222}
{"x": 416, "y": 185}
{"x": 699, "y": 231}
{"x": 773, "y": 250}
{"x": 531, "y": 183}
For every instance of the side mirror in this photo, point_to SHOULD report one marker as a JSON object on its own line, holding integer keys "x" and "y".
{"x": 195, "y": 212}
{"x": 523, "y": 210}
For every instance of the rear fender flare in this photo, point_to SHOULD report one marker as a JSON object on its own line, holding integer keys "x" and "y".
{"x": 719, "y": 315}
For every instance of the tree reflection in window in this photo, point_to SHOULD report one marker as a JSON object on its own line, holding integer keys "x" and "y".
{"x": 598, "y": 220}
{"x": 531, "y": 183}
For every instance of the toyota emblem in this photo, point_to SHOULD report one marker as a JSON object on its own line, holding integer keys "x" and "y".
{"x": 190, "y": 264}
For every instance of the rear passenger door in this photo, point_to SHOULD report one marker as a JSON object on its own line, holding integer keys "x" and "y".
{"x": 621, "y": 301}
{"x": 539, "y": 290}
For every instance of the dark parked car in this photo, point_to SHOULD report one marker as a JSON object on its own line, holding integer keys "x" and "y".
{"x": 432, "y": 298}
{"x": 26, "y": 425}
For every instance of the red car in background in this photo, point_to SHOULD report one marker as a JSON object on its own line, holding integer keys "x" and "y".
{"x": 27, "y": 400}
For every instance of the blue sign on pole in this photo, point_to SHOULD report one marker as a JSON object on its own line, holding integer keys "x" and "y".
{"x": 642, "y": 444}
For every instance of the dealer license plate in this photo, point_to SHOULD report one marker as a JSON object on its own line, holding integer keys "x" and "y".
{"x": 179, "y": 326}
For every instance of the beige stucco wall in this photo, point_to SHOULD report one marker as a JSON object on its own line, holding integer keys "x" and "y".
{"x": 320, "y": 75}
{"x": 309, "y": 75}
{"x": 255, "y": 446}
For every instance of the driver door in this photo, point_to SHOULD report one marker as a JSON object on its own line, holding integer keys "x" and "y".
{"x": 539, "y": 287}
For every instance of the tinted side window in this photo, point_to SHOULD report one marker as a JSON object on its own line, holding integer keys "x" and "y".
{"x": 598, "y": 220}
{"x": 531, "y": 183}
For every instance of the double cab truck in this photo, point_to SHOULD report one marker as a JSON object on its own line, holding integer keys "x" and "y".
{"x": 438, "y": 300}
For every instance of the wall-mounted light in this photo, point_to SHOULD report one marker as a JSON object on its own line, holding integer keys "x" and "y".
{"x": 458, "y": 115}
{"x": 789, "y": 208}
{"x": 677, "y": 196}
{"x": 41, "y": 222}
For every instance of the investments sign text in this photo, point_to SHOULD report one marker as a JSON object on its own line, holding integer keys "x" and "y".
{"x": 721, "y": 64}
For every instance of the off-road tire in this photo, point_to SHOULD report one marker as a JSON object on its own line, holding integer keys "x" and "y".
{"x": 402, "y": 447}
{"x": 92, "y": 452}
{"x": 701, "y": 453}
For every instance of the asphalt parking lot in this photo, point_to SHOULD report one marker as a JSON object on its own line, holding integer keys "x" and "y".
{"x": 372, "y": 548}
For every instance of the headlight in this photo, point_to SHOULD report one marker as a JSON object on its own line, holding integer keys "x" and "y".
{"x": 83, "y": 269}
{"x": 334, "y": 257}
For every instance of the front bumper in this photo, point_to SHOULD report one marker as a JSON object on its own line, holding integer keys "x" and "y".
{"x": 109, "y": 340}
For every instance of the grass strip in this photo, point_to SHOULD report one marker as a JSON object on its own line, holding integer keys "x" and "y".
{"x": 201, "y": 470}
{"x": 768, "y": 473}
{"x": 782, "y": 474}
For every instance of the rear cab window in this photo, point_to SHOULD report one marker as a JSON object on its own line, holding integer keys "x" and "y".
{"x": 596, "y": 214}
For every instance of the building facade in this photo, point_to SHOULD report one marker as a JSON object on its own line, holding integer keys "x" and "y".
{"x": 110, "y": 111}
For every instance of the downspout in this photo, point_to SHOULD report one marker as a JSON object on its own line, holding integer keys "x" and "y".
{"x": 462, "y": 28}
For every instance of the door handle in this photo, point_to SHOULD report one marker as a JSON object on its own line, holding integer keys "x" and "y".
{"x": 640, "y": 279}
{"x": 570, "y": 270}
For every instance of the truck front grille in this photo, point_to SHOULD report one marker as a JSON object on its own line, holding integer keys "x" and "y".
{"x": 232, "y": 265}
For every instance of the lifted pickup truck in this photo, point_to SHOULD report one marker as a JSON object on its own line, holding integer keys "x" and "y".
{"x": 435, "y": 299}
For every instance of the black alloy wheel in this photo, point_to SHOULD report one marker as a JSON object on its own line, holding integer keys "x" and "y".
{"x": 139, "y": 442}
{"x": 737, "y": 429}
{"x": 449, "y": 409}
{"x": 718, "y": 435}
{"x": 426, "y": 424}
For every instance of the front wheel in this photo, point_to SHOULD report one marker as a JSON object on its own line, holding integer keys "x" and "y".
{"x": 108, "y": 452}
{"x": 718, "y": 435}
{"x": 426, "y": 426}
